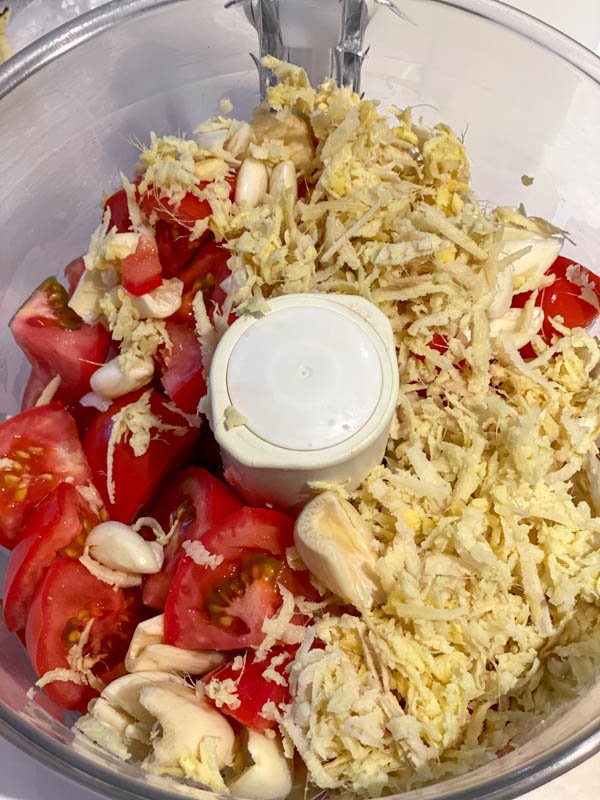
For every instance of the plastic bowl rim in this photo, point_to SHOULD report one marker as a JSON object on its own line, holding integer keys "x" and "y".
{"x": 57, "y": 756}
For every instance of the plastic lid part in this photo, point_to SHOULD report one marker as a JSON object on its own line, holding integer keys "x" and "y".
{"x": 315, "y": 385}
{"x": 305, "y": 378}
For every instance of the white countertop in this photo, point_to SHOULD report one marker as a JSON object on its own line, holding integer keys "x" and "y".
{"x": 22, "y": 778}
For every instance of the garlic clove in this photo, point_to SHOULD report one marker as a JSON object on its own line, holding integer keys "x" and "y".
{"x": 270, "y": 777}
{"x": 251, "y": 184}
{"x": 116, "y": 546}
{"x": 339, "y": 548}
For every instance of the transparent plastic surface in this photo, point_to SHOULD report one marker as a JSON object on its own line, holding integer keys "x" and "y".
{"x": 526, "y": 97}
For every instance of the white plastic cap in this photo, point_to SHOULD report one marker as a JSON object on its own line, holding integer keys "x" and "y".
{"x": 316, "y": 382}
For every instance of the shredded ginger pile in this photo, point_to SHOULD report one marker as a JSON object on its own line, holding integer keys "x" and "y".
{"x": 486, "y": 505}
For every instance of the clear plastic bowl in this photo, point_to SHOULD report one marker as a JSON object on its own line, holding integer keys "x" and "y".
{"x": 527, "y": 98}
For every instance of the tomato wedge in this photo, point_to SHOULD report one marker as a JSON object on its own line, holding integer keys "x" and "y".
{"x": 73, "y": 272}
{"x": 185, "y": 214}
{"x": 56, "y": 527}
{"x": 137, "y": 477}
{"x": 141, "y": 272}
{"x": 66, "y": 599}
{"x": 565, "y": 298}
{"x": 39, "y": 449}
{"x": 183, "y": 379}
{"x": 205, "y": 274}
{"x": 56, "y": 341}
{"x": 253, "y": 690}
{"x": 223, "y": 608}
{"x": 175, "y": 251}
{"x": 196, "y": 500}
{"x": 119, "y": 211}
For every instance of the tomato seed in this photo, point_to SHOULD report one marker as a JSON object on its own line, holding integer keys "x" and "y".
{"x": 20, "y": 494}
{"x": 22, "y": 454}
{"x": 11, "y": 480}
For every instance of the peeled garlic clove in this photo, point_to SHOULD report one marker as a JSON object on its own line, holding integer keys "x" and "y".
{"x": 509, "y": 327}
{"x": 92, "y": 286}
{"x": 109, "y": 380}
{"x": 239, "y": 141}
{"x": 147, "y": 652}
{"x": 124, "y": 693}
{"x": 115, "y": 718}
{"x": 283, "y": 179}
{"x": 339, "y": 548}
{"x": 116, "y": 546}
{"x": 537, "y": 261}
{"x": 160, "y": 302}
{"x": 251, "y": 184}
{"x": 185, "y": 719}
{"x": 270, "y": 776}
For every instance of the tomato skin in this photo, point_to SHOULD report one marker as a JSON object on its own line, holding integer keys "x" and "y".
{"x": 141, "y": 271}
{"x": 56, "y": 341}
{"x": 199, "y": 501}
{"x": 119, "y": 211}
{"x": 224, "y": 608}
{"x": 183, "y": 379}
{"x": 73, "y": 272}
{"x": 186, "y": 213}
{"x": 54, "y": 524}
{"x": 67, "y": 589}
{"x": 189, "y": 210}
{"x": 175, "y": 251}
{"x": 562, "y": 298}
{"x": 44, "y": 444}
{"x": 204, "y": 274}
{"x": 253, "y": 690}
{"x": 136, "y": 478}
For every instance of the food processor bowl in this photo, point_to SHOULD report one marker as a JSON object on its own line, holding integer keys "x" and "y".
{"x": 72, "y": 106}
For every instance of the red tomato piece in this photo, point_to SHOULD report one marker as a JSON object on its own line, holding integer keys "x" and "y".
{"x": 119, "y": 211}
{"x": 56, "y": 341}
{"x": 204, "y": 274}
{"x": 42, "y": 449}
{"x": 33, "y": 389}
{"x": 66, "y": 599}
{"x": 185, "y": 214}
{"x": 73, "y": 272}
{"x": 141, "y": 271}
{"x": 183, "y": 379}
{"x": 58, "y": 526}
{"x": 175, "y": 251}
{"x": 137, "y": 477}
{"x": 224, "y": 608}
{"x": 563, "y": 298}
{"x": 196, "y": 500}
{"x": 253, "y": 690}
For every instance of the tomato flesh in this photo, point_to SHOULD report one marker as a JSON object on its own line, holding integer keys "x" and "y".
{"x": 175, "y": 251}
{"x": 56, "y": 341}
{"x": 66, "y": 599}
{"x": 196, "y": 500}
{"x": 224, "y": 608}
{"x": 183, "y": 379}
{"x": 253, "y": 690}
{"x": 57, "y": 526}
{"x": 141, "y": 272}
{"x": 119, "y": 211}
{"x": 563, "y": 298}
{"x": 73, "y": 272}
{"x": 137, "y": 477}
{"x": 186, "y": 213}
{"x": 42, "y": 449}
